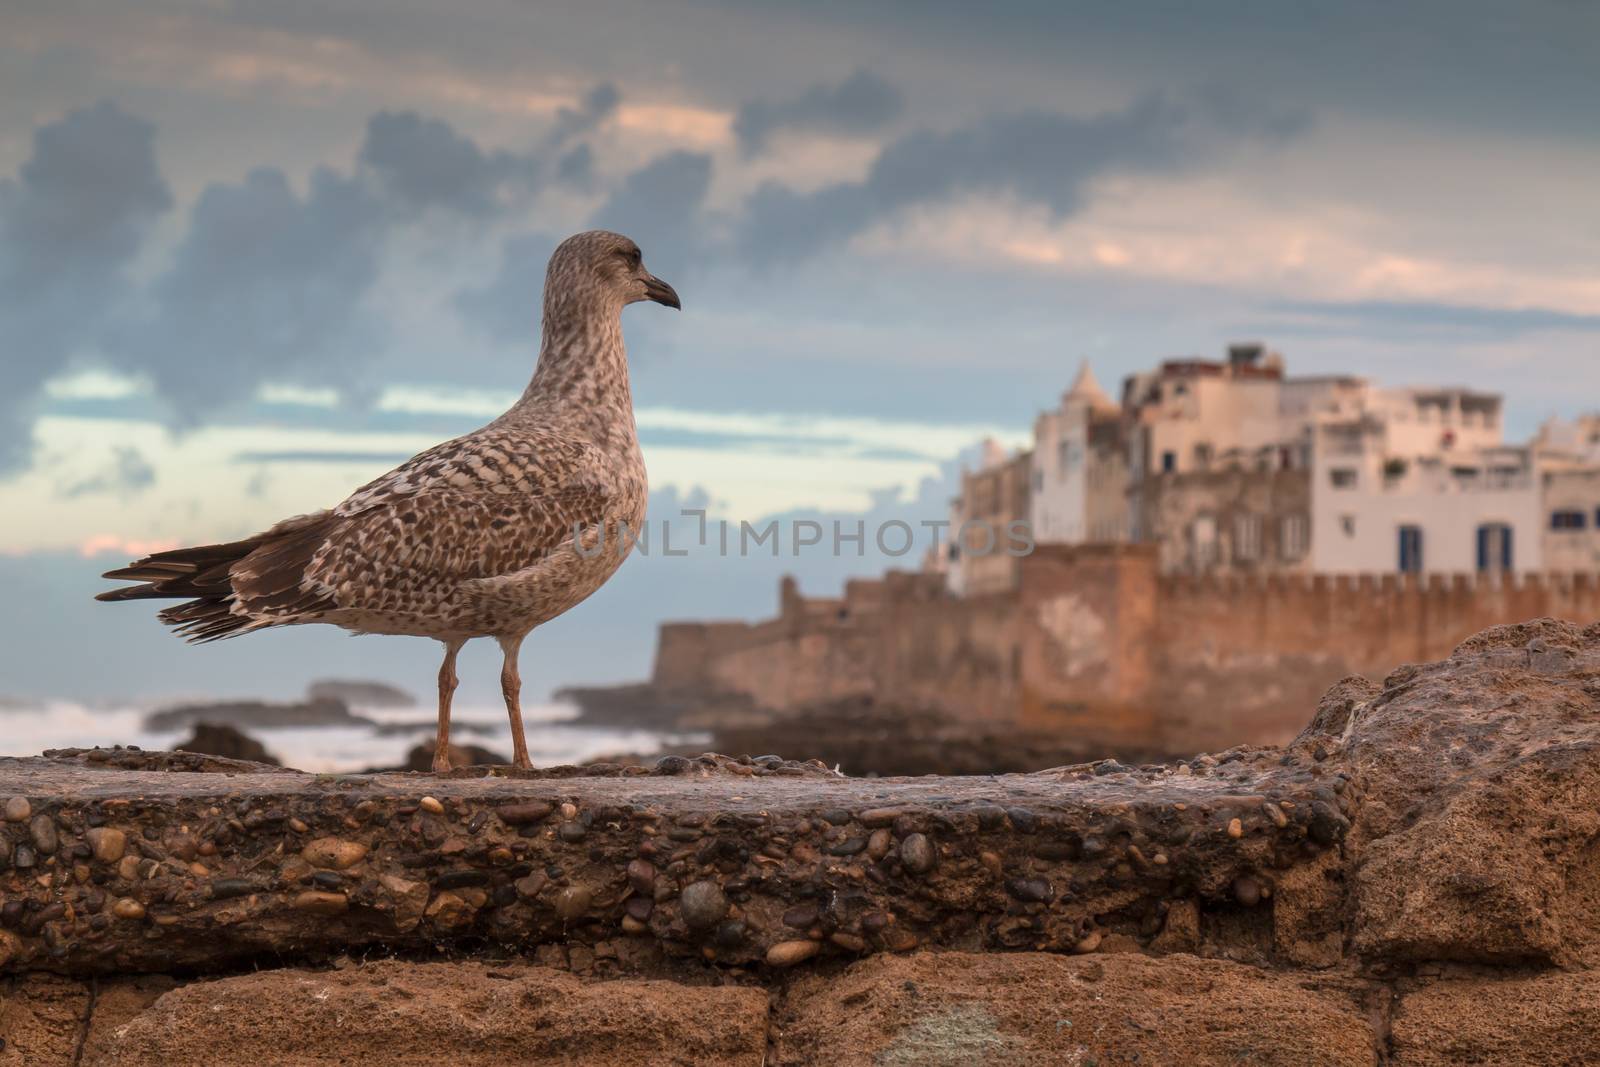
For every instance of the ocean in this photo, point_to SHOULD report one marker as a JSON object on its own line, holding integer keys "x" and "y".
{"x": 27, "y": 729}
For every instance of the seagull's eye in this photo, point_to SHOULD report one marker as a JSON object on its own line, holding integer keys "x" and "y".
{"x": 633, "y": 257}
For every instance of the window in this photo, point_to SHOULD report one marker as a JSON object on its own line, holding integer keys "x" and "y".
{"x": 1246, "y": 537}
{"x": 1293, "y": 537}
{"x": 1169, "y": 462}
{"x": 1347, "y": 523}
{"x": 1494, "y": 547}
{"x": 1203, "y": 541}
{"x": 1202, "y": 456}
{"x": 1342, "y": 477}
{"x": 1410, "y": 550}
{"x": 1567, "y": 520}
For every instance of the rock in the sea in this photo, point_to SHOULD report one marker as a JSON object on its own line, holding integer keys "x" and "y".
{"x": 420, "y": 758}
{"x": 368, "y": 693}
{"x": 257, "y": 713}
{"x": 220, "y": 739}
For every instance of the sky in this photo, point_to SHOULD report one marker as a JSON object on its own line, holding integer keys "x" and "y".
{"x": 255, "y": 253}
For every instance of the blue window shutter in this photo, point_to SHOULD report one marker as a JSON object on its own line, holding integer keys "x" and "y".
{"x": 1483, "y": 548}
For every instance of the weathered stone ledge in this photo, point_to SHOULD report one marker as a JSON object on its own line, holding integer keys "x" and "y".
{"x": 1411, "y": 882}
{"x": 118, "y": 868}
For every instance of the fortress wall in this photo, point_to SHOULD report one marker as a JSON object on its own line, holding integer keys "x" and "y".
{"x": 1094, "y": 642}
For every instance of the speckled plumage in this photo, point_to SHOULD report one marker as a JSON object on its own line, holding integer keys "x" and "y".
{"x": 473, "y": 537}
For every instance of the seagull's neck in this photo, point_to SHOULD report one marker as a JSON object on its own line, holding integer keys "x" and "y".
{"x": 581, "y": 382}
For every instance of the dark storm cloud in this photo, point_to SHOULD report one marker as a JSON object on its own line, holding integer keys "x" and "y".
{"x": 1045, "y": 157}
{"x": 425, "y": 163}
{"x": 863, "y": 103}
{"x": 128, "y": 473}
{"x": 598, "y": 105}
{"x": 266, "y": 284}
{"x": 576, "y": 168}
{"x": 659, "y": 205}
{"x": 70, "y": 224}
{"x": 507, "y": 307}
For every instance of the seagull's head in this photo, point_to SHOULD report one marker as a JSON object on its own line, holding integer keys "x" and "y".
{"x": 607, "y": 266}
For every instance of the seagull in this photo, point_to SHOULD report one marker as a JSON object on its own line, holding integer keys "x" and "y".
{"x": 487, "y": 535}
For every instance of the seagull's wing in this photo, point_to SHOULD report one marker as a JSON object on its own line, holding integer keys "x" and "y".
{"x": 481, "y": 506}
{"x": 484, "y": 505}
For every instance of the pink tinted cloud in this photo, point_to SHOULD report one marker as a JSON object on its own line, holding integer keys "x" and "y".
{"x": 100, "y": 544}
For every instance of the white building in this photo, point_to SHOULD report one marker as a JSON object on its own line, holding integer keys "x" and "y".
{"x": 1569, "y": 458}
{"x": 1420, "y": 482}
{"x": 1079, "y": 468}
{"x": 1233, "y": 466}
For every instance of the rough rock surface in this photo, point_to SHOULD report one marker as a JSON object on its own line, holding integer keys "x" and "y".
{"x": 1413, "y": 880}
{"x": 1034, "y": 1008}
{"x": 420, "y": 1015}
{"x": 1546, "y": 1021}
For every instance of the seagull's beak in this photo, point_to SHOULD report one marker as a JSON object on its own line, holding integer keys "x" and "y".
{"x": 659, "y": 291}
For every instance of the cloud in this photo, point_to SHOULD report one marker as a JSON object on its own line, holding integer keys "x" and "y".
{"x": 320, "y": 456}
{"x": 659, "y": 205}
{"x": 71, "y": 223}
{"x": 576, "y": 168}
{"x": 507, "y": 307}
{"x": 1042, "y": 157}
{"x": 129, "y": 473}
{"x": 1421, "y": 318}
{"x": 424, "y": 163}
{"x": 267, "y": 284}
{"x": 598, "y": 104}
{"x": 861, "y": 104}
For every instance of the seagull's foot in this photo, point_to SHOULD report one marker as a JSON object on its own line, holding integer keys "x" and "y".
{"x": 441, "y": 763}
{"x": 522, "y": 762}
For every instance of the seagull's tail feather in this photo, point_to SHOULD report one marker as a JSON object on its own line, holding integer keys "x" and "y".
{"x": 231, "y": 588}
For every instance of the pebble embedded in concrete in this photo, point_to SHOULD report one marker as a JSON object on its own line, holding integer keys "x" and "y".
{"x": 333, "y": 853}
{"x": 702, "y": 905}
{"x": 917, "y": 853}
{"x": 107, "y": 843}
{"x": 789, "y": 953}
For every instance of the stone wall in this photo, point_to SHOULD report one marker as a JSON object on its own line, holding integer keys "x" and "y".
{"x": 1095, "y": 643}
{"x": 1410, "y": 882}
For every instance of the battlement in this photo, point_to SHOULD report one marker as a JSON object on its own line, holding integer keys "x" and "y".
{"x": 1093, "y": 642}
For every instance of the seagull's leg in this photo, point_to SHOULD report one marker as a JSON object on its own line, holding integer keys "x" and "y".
{"x": 511, "y": 686}
{"x": 447, "y": 687}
